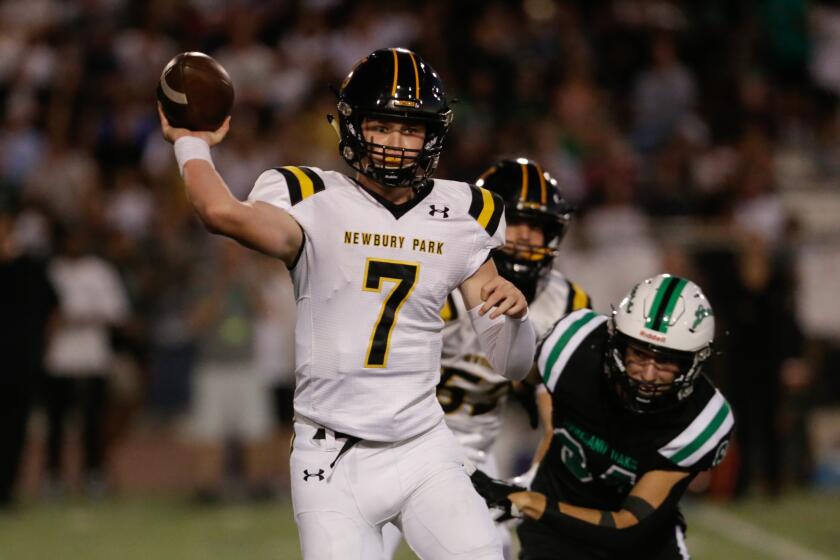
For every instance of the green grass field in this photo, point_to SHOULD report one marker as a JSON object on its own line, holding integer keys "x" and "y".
{"x": 797, "y": 527}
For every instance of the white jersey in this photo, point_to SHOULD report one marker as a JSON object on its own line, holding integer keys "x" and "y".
{"x": 370, "y": 282}
{"x": 471, "y": 393}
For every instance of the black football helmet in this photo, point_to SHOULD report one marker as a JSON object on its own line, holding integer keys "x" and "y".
{"x": 530, "y": 195}
{"x": 392, "y": 84}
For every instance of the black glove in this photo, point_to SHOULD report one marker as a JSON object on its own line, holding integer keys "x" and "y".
{"x": 526, "y": 395}
{"x": 495, "y": 493}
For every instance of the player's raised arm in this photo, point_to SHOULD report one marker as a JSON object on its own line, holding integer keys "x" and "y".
{"x": 499, "y": 313}
{"x": 256, "y": 225}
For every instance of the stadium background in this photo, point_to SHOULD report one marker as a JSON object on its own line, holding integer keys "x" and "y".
{"x": 699, "y": 138}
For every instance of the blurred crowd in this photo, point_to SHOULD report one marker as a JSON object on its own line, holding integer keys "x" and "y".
{"x": 698, "y": 138}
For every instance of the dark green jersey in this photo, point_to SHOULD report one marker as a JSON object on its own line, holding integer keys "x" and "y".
{"x": 600, "y": 450}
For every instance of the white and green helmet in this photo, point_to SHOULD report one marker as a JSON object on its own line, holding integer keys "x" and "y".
{"x": 671, "y": 318}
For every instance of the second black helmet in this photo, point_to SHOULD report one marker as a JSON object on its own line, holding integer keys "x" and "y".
{"x": 533, "y": 197}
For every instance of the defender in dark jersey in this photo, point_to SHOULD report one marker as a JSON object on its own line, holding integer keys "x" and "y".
{"x": 635, "y": 420}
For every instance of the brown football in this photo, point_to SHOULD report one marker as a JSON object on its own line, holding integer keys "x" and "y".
{"x": 195, "y": 92}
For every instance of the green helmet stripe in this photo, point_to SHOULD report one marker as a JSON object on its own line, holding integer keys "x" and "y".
{"x": 657, "y": 302}
{"x": 660, "y": 317}
{"x": 704, "y": 436}
{"x": 672, "y": 303}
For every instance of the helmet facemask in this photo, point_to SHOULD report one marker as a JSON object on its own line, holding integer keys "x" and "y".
{"x": 646, "y": 397}
{"x": 525, "y": 264}
{"x": 392, "y": 166}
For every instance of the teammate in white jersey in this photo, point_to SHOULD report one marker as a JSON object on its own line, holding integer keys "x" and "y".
{"x": 373, "y": 258}
{"x": 471, "y": 392}
{"x": 473, "y": 395}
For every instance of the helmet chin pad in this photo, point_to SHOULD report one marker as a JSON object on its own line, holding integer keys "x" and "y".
{"x": 524, "y": 266}
{"x": 390, "y": 166}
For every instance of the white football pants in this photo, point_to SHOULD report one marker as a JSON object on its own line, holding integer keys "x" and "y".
{"x": 418, "y": 484}
{"x": 391, "y": 535}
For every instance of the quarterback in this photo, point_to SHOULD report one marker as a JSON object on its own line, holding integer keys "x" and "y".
{"x": 373, "y": 257}
{"x": 635, "y": 421}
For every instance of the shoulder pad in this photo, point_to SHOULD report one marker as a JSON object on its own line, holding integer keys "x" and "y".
{"x": 707, "y": 432}
{"x": 487, "y": 208}
{"x": 303, "y": 182}
{"x": 563, "y": 340}
{"x": 577, "y": 298}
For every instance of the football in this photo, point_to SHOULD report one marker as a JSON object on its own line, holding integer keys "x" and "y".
{"x": 195, "y": 92}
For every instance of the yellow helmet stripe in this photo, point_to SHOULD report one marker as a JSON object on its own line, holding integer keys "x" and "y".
{"x": 396, "y": 72}
{"x": 543, "y": 192}
{"x": 524, "y": 195}
{"x": 416, "y": 77}
{"x": 487, "y": 173}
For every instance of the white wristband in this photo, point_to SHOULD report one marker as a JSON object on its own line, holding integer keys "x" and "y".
{"x": 190, "y": 147}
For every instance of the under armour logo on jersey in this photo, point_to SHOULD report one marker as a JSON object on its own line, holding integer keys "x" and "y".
{"x": 444, "y": 211}
{"x": 307, "y": 475}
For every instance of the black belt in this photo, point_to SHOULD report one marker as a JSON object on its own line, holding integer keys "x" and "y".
{"x": 321, "y": 433}
{"x": 350, "y": 441}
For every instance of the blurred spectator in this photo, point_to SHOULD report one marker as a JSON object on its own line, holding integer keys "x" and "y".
{"x": 664, "y": 95}
{"x": 757, "y": 207}
{"x": 231, "y": 401}
{"x": 66, "y": 182}
{"x": 92, "y": 300}
{"x": 129, "y": 205}
{"x": 21, "y": 143}
{"x": 275, "y": 355}
{"x": 768, "y": 348}
{"x": 173, "y": 291}
{"x": 243, "y": 157}
{"x": 28, "y": 301}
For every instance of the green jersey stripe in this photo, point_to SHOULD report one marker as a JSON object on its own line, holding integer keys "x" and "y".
{"x": 704, "y": 436}
{"x": 553, "y": 334}
{"x": 712, "y": 442}
{"x": 553, "y": 360}
{"x": 704, "y": 433}
{"x": 564, "y": 339}
{"x": 690, "y": 433}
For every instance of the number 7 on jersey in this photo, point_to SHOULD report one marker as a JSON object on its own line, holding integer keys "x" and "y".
{"x": 404, "y": 276}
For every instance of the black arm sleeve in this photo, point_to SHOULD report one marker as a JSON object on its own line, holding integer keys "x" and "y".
{"x": 612, "y": 538}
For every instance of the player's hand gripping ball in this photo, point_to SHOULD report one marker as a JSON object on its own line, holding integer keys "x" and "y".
{"x": 195, "y": 92}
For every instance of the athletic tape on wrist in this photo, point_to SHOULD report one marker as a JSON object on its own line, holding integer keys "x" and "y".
{"x": 190, "y": 147}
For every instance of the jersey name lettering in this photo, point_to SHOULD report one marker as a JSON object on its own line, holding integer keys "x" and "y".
{"x": 392, "y": 241}
{"x": 601, "y": 447}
